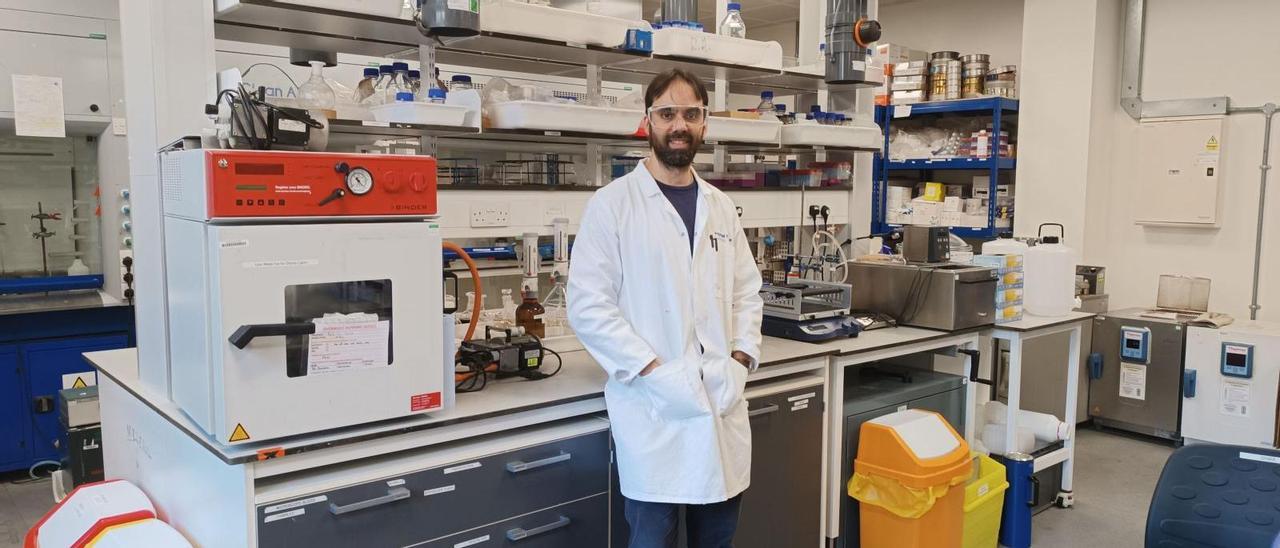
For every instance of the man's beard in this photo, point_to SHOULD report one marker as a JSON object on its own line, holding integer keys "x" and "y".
{"x": 669, "y": 157}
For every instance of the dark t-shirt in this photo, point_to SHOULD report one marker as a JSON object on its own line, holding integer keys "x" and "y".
{"x": 685, "y": 200}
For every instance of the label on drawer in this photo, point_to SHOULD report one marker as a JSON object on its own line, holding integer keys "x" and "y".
{"x": 472, "y": 542}
{"x": 395, "y": 483}
{"x": 800, "y": 406}
{"x": 1133, "y": 381}
{"x": 439, "y": 490}
{"x": 461, "y": 467}
{"x": 295, "y": 504}
{"x": 284, "y": 515}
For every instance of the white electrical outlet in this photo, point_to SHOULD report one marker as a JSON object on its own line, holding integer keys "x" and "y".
{"x": 552, "y": 211}
{"x": 490, "y": 214}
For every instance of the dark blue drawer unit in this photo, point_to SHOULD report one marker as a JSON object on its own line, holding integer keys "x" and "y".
{"x": 445, "y": 501}
{"x": 579, "y": 524}
{"x": 36, "y": 350}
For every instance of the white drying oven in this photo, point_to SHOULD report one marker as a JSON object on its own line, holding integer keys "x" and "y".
{"x": 304, "y": 290}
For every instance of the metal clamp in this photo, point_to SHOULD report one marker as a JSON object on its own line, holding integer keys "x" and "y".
{"x": 515, "y": 467}
{"x": 773, "y": 408}
{"x": 393, "y": 494}
{"x": 519, "y": 533}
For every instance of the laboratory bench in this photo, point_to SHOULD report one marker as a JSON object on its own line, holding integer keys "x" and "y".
{"x": 517, "y": 460}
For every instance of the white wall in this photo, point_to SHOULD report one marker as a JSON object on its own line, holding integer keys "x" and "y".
{"x": 993, "y": 27}
{"x": 1238, "y": 62}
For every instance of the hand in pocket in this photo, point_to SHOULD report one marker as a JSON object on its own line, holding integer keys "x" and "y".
{"x": 726, "y": 380}
{"x": 674, "y": 392}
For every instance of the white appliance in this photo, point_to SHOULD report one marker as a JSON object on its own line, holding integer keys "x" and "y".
{"x": 1231, "y": 382}
{"x": 305, "y": 290}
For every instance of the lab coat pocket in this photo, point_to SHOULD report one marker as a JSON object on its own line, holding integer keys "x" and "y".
{"x": 726, "y": 381}
{"x": 674, "y": 393}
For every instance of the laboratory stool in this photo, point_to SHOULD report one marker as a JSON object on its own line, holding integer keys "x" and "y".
{"x": 1221, "y": 496}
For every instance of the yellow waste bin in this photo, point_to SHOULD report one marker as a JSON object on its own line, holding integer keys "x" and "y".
{"x": 907, "y": 477}
{"x": 983, "y": 502}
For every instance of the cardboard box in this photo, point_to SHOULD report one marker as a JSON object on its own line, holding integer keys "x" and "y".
{"x": 932, "y": 192}
{"x": 900, "y": 69}
{"x": 897, "y": 53}
{"x": 898, "y": 196}
{"x": 953, "y": 204}
{"x": 908, "y": 97}
{"x": 955, "y": 190}
{"x": 952, "y": 218}
{"x": 926, "y": 213}
{"x": 737, "y": 114}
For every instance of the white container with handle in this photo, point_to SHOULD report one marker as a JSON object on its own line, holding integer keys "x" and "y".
{"x": 1050, "y": 269}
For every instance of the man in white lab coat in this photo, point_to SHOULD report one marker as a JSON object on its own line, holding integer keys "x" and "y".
{"x": 663, "y": 292}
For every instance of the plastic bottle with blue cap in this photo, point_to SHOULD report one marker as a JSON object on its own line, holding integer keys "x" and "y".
{"x": 733, "y": 25}
{"x": 436, "y": 96}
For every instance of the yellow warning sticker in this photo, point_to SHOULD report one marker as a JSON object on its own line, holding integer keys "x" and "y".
{"x": 79, "y": 383}
{"x": 239, "y": 434}
{"x": 1212, "y": 144}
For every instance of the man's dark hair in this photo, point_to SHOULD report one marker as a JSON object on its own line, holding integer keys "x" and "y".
{"x": 662, "y": 81}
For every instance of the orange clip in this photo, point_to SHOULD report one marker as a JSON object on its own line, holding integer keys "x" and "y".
{"x": 273, "y": 453}
{"x": 857, "y": 35}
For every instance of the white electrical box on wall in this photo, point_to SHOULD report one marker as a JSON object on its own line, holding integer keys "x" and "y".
{"x": 1179, "y": 181}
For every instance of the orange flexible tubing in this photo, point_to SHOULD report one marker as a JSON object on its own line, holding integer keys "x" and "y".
{"x": 475, "y": 281}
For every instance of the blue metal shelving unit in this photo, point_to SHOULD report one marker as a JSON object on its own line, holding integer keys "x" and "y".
{"x": 996, "y": 107}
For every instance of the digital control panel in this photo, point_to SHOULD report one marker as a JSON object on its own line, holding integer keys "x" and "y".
{"x": 1135, "y": 344}
{"x": 308, "y": 184}
{"x": 1237, "y": 360}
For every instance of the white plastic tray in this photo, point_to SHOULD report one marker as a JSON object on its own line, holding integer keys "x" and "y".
{"x": 714, "y": 47}
{"x": 741, "y": 130}
{"x": 417, "y": 112}
{"x": 536, "y": 115}
{"x": 383, "y": 8}
{"x": 864, "y": 135}
{"x": 548, "y": 23}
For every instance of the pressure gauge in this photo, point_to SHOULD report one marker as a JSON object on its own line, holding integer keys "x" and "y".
{"x": 360, "y": 181}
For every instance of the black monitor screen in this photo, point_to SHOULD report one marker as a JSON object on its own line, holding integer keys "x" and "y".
{"x": 1235, "y": 359}
{"x": 1133, "y": 344}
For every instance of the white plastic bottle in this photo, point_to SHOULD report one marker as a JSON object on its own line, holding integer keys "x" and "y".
{"x": 1043, "y": 426}
{"x": 1050, "y": 277}
{"x": 993, "y": 439}
{"x": 733, "y": 25}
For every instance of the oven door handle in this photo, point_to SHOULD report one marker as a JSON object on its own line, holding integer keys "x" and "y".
{"x": 246, "y": 333}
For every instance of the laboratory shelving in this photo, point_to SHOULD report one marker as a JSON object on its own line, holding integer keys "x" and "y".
{"x": 998, "y": 108}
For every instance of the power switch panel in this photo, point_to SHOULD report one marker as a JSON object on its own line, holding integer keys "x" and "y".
{"x": 1237, "y": 360}
{"x": 485, "y": 214}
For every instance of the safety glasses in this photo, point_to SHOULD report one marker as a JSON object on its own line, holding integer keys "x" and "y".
{"x": 667, "y": 115}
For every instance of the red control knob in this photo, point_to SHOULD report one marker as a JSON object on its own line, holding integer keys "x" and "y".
{"x": 391, "y": 181}
{"x": 416, "y": 182}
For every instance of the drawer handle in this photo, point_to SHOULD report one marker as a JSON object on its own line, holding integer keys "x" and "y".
{"x": 516, "y": 467}
{"x": 393, "y": 494}
{"x": 773, "y": 408}
{"x": 521, "y": 534}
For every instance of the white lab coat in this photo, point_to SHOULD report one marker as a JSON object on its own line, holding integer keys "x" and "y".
{"x": 635, "y": 294}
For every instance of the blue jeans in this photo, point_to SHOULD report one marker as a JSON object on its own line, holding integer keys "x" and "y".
{"x": 654, "y": 524}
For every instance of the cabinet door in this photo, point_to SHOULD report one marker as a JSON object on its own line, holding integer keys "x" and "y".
{"x": 14, "y": 415}
{"x": 81, "y": 62}
{"x": 786, "y": 472}
{"x": 44, "y": 364}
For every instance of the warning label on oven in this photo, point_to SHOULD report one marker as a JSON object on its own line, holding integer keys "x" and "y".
{"x": 348, "y": 342}
{"x": 423, "y": 402}
{"x": 1133, "y": 381}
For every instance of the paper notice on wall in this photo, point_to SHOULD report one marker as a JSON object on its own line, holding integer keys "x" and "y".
{"x": 347, "y": 342}
{"x": 1235, "y": 399}
{"x": 37, "y": 106}
{"x": 1133, "y": 381}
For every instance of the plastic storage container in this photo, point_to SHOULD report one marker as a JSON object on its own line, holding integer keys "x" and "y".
{"x": 983, "y": 502}
{"x": 856, "y": 134}
{"x": 556, "y": 24}
{"x": 418, "y": 112}
{"x": 1050, "y": 282}
{"x": 721, "y": 128}
{"x": 907, "y": 476}
{"x": 684, "y": 42}
{"x": 564, "y": 117}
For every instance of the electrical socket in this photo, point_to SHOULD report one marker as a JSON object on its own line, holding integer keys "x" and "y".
{"x": 490, "y": 214}
{"x": 551, "y": 211}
